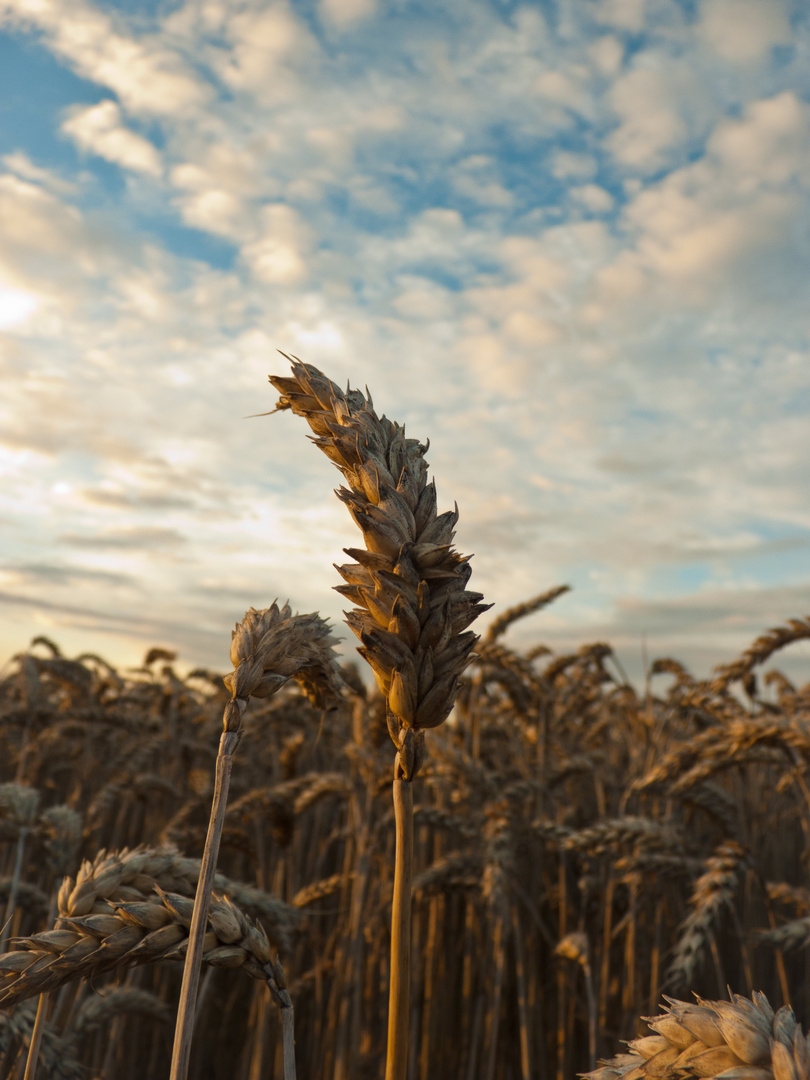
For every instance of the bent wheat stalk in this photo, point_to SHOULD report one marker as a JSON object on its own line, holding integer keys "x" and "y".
{"x": 133, "y": 932}
{"x": 268, "y": 648}
{"x": 412, "y": 609}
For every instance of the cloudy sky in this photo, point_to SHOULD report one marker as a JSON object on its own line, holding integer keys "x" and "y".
{"x": 565, "y": 240}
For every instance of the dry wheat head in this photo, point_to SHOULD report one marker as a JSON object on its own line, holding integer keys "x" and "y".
{"x": 408, "y": 584}
{"x": 718, "y": 1040}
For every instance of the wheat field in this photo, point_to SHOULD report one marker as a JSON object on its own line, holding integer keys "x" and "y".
{"x": 580, "y": 850}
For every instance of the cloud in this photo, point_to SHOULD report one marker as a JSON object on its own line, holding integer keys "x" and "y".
{"x": 345, "y": 13}
{"x": 265, "y": 49}
{"x": 709, "y": 224}
{"x": 567, "y": 164}
{"x": 98, "y": 129}
{"x": 476, "y": 178}
{"x": 769, "y": 146}
{"x": 743, "y": 31}
{"x": 50, "y": 574}
{"x": 21, "y": 165}
{"x": 147, "y": 75}
{"x": 593, "y": 198}
{"x": 651, "y": 123}
{"x": 572, "y": 252}
{"x": 279, "y": 255}
{"x": 136, "y": 539}
{"x": 623, "y": 14}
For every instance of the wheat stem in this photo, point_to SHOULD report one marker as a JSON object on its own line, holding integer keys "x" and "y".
{"x": 36, "y": 1038}
{"x": 181, "y": 1052}
{"x": 399, "y": 992}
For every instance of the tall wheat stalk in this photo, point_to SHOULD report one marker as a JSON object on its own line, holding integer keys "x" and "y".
{"x": 412, "y": 611}
{"x": 268, "y": 648}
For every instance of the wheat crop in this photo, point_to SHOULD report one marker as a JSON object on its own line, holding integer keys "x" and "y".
{"x": 579, "y": 846}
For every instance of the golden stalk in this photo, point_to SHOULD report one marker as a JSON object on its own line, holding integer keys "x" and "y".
{"x": 412, "y": 609}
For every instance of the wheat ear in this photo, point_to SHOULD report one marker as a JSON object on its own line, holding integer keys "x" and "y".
{"x": 268, "y": 648}
{"x": 719, "y": 1040}
{"x": 412, "y": 610}
{"x": 134, "y": 932}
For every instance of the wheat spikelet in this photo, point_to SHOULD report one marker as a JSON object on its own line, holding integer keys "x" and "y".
{"x": 270, "y": 647}
{"x": 718, "y": 804}
{"x": 500, "y": 625}
{"x": 101, "y": 1008}
{"x": 462, "y": 871}
{"x": 718, "y": 1040}
{"x": 134, "y": 932}
{"x": 642, "y": 833}
{"x": 56, "y": 1058}
{"x": 319, "y": 889}
{"x": 720, "y": 747}
{"x": 713, "y": 891}
{"x": 134, "y": 875}
{"x": 408, "y": 585}
{"x": 791, "y": 935}
{"x": 785, "y": 893}
{"x": 758, "y": 653}
{"x": 320, "y": 787}
{"x": 665, "y": 665}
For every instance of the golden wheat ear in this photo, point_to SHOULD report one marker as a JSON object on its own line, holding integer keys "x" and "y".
{"x": 738, "y": 1038}
{"x": 408, "y": 585}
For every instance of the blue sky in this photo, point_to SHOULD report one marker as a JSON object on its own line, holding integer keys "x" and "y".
{"x": 568, "y": 242}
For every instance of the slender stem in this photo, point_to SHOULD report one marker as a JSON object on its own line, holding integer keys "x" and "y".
{"x": 191, "y": 972}
{"x": 36, "y": 1037}
{"x": 586, "y": 968}
{"x": 399, "y": 997}
{"x": 288, "y": 1039}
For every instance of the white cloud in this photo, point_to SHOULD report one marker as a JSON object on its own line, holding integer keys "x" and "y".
{"x": 43, "y": 240}
{"x": 567, "y": 164}
{"x": 650, "y": 121}
{"x": 565, "y": 88}
{"x": 703, "y": 225}
{"x": 215, "y": 211}
{"x": 342, "y": 172}
{"x": 477, "y": 178}
{"x": 607, "y": 53}
{"x": 743, "y": 31}
{"x": 595, "y": 198}
{"x": 768, "y": 146}
{"x": 146, "y": 74}
{"x": 99, "y": 130}
{"x": 266, "y": 49}
{"x": 21, "y": 165}
{"x": 423, "y": 299}
{"x": 623, "y": 14}
{"x": 345, "y": 13}
{"x": 279, "y": 255}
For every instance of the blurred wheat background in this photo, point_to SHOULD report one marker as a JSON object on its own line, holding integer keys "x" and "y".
{"x": 580, "y": 848}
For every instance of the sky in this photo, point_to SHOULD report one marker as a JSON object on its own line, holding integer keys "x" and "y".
{"x": 566, "y": 241}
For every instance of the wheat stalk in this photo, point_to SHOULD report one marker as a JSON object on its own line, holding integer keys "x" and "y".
{"x": 412, "y": 610}
{"x": 268, "y": 648}
{"x": 133, "y": 932}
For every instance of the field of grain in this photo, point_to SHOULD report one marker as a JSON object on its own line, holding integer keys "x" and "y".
{"x": 580, "y": 849}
